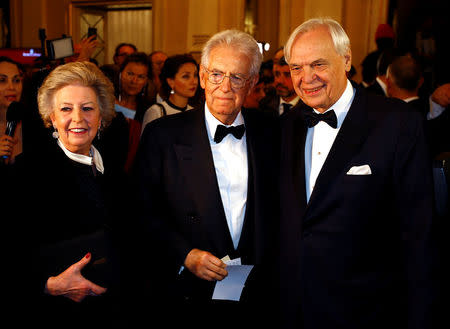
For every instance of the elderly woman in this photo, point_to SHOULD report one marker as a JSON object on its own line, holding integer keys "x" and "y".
{"x": 75, "y": 264}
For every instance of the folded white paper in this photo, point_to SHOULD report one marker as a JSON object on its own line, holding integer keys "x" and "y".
{"x": 231, "y": 287}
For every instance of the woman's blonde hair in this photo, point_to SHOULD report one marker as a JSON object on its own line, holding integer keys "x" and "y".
{"x": 84, "y": 74}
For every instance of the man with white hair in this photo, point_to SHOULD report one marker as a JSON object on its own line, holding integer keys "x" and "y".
{"x": 356, "y": 197}
{"x": 207, "y": 188}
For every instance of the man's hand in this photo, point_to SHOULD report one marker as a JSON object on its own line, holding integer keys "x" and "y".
{"x": 441, "y": 95}
{"x": 205, "y": 265}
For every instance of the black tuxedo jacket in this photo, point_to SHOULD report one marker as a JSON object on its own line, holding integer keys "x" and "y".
{"x": 359, "y": 254}
{"x": 181, "y": 202}
{"x": 438, "y": 132}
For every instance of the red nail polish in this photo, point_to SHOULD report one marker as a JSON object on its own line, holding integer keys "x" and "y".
{"x": 88, "y": 255}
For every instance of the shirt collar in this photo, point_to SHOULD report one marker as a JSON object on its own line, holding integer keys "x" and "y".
{"x": 342, "y": 105}
{"x": 382, "y": 84}
{"x": 96, "y": 158}
{"x": 128, "y": 113}
{"x": 212, "y": 122}
{"x": 292, "y": 102}
{"x": 410, "y": 99}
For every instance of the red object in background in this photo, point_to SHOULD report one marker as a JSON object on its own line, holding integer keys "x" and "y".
{"x": 25, "y": 56}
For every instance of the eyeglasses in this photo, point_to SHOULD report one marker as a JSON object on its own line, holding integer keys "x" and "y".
{"x": 217, "y": 77}
{"x": 139, "y": 77}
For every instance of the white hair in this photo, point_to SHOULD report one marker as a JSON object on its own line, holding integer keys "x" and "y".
{"x": 340, "y": 38}
{"x": 240, "y": 41}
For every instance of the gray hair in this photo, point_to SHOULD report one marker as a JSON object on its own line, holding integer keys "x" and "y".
{"x": 240, "y": 41}
{"x": 340, "y": 39}
{"x": 77, "y": 73}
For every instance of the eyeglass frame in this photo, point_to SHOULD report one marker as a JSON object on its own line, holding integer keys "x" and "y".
{"x": 230, "y": 76}
{"x": 139, "y": 77}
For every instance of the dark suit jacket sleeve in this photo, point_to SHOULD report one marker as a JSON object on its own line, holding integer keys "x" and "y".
{"x": 154, "y": 210}
{"x": 412, "y": 181}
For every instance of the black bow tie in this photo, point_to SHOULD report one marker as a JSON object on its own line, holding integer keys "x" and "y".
{"x": 222, "y": 131}
{"x": 312, "y": 118}
{"x": 286, "y": 107}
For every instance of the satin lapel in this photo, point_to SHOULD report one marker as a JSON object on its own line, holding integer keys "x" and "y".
{"x": 197, "y": 167}
{"x": 348, "y": 141}
{"x": 298, "y": 170}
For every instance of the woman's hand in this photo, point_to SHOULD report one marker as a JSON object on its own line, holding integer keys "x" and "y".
{"x": 6, "y": 145}
{"x": 72, "y": 284}
{"x": 205, "y": 265}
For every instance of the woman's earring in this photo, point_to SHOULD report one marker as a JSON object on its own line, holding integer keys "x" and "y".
{"x": 55, "y": 134}
{"x": 98, "y": 130}
{"x": 172, "y": 91}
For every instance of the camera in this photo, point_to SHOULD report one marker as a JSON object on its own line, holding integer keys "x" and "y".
{"x": 59, "y": 48}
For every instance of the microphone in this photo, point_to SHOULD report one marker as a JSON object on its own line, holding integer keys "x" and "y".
{"x": 13, "y": 117}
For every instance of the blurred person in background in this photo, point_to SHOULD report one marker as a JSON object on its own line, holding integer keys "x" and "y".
{"x": 179, "y": 83}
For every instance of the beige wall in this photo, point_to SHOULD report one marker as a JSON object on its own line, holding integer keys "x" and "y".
{"x": 28, "y": 16}
{"x": 180, "y": 26}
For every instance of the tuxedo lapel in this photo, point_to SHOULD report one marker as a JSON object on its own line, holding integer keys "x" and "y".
{"x": 350, "y": 137}
{"x": 197, "y": 167}
{"x": 292, "y": 170}
{"x": 298, "y": 141}
{"x": 252, "y": 230}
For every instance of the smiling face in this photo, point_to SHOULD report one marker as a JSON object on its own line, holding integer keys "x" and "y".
{"x": 185, "y": 82}
{"x": 224, "y": 101}
{"x": 10, "y": 84}
{"x": 318, "y": 71}
{"x": 76, "y": 116}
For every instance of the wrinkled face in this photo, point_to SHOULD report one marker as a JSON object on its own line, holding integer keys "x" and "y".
{"x": 223, "y": 99}
{"x": 256, "y": 94}
{"x": 185, "y": 82}
{"x": 10, "y": 84}
{"x": 318, "y": 71}
{"x": 76, "y": 116}
{"x": 133, "y": 78}
{"x": 283, "y": 82}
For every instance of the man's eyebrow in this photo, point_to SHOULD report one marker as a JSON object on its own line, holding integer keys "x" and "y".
{"x": 319, "y": 61}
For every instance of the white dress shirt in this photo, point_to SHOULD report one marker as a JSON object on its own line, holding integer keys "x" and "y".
{"x": 435, "y": 110}
{"x": 293, "y": 102}
{"x": 231, "y": 165}
{"x": 320, "y": 138}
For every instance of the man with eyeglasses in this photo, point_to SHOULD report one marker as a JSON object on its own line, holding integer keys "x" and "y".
{"x": 122, "y": 51}
{"x": 208, "y": 191}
